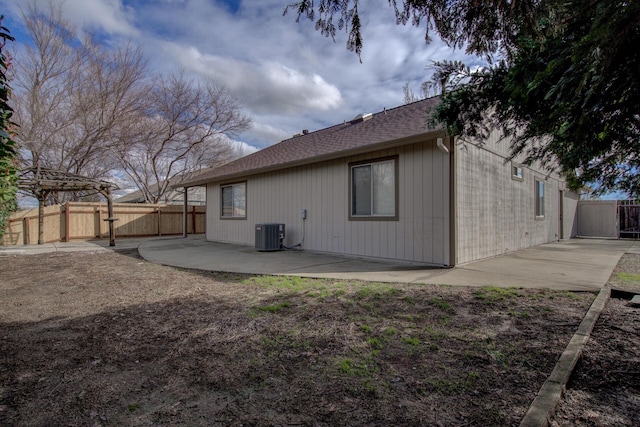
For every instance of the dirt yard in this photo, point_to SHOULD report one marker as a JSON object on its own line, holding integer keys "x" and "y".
{"x": 108, "y": 339}
{"x": 605, "y": 387}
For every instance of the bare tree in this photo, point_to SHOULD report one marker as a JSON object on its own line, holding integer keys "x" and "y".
{"x": 88, "y": 109}
{"x": 409, "y": 94}
{"x": 186, "y": 126}
{"x": 72, "y": 94}
{"x": 429, "y": 88}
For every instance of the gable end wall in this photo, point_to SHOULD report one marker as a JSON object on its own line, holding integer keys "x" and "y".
{"x": 496, "y": 213}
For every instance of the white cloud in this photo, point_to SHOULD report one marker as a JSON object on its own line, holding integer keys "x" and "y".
{"x": 245, "y": 149}
{"x": 265, "y": 87}
{"x": 241, "y": 148}
{"x": 108, "y": 16}
{"x": 286, "y": 74}
{"x": 262, "y": 131}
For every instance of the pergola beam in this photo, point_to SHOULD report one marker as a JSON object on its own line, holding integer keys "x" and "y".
{"x": 42, "y": 181}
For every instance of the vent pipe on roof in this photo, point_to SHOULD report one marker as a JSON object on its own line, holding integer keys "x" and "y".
{"x": 361, "y": 118}
{"x": 305, "y": 131}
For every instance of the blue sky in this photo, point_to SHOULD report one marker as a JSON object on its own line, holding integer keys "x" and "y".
{"x": 287, "y": 76}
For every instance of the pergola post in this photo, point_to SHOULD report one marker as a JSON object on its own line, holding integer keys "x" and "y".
{"x": 41, "y": 219}
{"x": 111, "y": 219}
{"x": 185, "y": 218}
{"x": 106, "y": 192}
{"x": 42, "y": 197}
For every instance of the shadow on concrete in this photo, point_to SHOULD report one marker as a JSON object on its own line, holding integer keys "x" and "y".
{"x": 577, "y": 264}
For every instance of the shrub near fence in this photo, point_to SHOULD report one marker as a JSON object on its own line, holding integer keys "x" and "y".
{"x": 85, "y": 220}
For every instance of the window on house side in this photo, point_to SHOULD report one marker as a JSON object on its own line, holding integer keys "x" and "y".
{"x": 373, "y": 190}
{"x": 234, "y": 200}
{"x": 516, "y": 172}
{"x": 539, "y": 198}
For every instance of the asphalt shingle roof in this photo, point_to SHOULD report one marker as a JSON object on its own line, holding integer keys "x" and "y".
{"x": 336, "y": 141}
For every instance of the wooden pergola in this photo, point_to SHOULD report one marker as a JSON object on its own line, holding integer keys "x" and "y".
{"x": 41, "y": 182}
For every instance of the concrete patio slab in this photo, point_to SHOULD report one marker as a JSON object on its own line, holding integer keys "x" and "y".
{"x": 635, "y": 249}
{"x": 578, "y": 264}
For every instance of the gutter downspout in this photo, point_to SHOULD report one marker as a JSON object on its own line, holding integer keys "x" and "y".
{"x": 453, "y": 203}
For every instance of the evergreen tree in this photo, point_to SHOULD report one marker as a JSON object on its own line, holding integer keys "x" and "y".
{"x": 8, "y": 172}
{"x": 562, "y": 72}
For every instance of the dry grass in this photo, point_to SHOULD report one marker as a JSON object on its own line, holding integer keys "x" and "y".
{"x": 109, "y": 339}
{"x": 604, "y": 389}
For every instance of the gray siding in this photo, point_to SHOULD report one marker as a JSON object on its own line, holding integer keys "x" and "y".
{"x": 420, "y": 234}
{"x": 570, "y": 215}
{"x": 496, "y": 213}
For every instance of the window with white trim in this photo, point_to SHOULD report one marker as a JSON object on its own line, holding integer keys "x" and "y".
{"x": 233, "y": 200}
{"x": 516, "y": 172}
{"x": 539, "y": 202}
{"x": 374, "y": 190}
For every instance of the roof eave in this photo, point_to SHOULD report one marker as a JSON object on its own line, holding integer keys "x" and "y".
{"x": 434, "y": 133}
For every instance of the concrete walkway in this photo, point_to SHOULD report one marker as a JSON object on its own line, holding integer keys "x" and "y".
{"x": 577, "y": 264}
{"x": 77, "y": 246}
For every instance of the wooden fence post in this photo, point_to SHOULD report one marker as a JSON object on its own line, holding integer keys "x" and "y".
{"x": 159, "y": 223}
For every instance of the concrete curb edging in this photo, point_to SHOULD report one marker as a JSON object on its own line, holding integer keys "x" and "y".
{"x": 544, "y": 405}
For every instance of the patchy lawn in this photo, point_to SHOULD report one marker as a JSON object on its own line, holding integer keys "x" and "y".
{"x": 92, "y": 339}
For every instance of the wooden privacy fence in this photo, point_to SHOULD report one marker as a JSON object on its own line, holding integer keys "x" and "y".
{"x": 85, "y": 220}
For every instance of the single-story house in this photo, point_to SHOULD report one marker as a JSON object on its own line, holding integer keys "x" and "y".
{"x": 386, "y": 185}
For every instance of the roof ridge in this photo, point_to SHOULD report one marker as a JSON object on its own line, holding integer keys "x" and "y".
{"x": 431, "y": 98}
{"x": 350, "y": 121}
{"x": 392, "y": 124}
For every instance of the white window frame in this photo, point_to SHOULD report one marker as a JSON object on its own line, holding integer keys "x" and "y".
{"x": 517, "y": 172}
{"x": 236, "y": 208}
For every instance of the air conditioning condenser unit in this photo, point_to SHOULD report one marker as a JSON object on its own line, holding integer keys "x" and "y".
{"x": 269, "y": 237}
